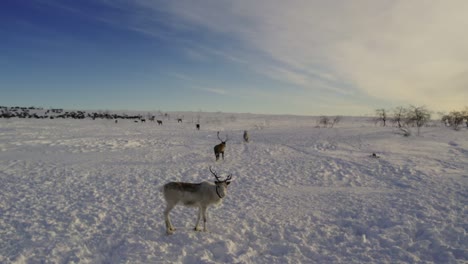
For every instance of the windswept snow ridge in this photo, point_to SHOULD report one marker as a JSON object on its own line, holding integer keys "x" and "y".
{"x": 89, "y": 192}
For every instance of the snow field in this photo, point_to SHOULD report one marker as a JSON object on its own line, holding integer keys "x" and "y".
{"x": 88, "y": 191}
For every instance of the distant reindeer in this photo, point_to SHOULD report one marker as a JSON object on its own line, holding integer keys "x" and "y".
{"x": 197, "y": 126}
{"x": 219, "y": 149}
{"x": 246, "y": 136}
{"x": 199, "y": 195}
{"x": 159, "y": 122}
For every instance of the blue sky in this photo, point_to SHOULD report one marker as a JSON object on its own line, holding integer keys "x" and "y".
{"x": 309, "y": 57}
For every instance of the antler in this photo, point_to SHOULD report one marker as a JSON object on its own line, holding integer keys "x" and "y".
{"x": 229, "y": 177}
{"x": 214, "y": 174}
{"x": 221, "y": 139}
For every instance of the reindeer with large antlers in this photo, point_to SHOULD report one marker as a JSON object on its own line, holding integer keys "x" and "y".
{"x": 199, "y": 195}
{"x": 219, "y": 149}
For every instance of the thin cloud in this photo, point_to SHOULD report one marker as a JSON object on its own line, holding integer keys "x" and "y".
{"x": 392, "y": 50}
{"x": 217, "y": 91}
{"x": 306, "y": 80}
{"x": 181, "y": 76}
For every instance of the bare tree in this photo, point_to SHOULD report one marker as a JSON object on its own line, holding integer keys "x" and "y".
{"x": 418, "y": 116}
{"x": 455, "y": 119}
{"x": 465, "y": 115}
{"x": 335, "y": 121}
{"x": 398, "y": 116}
{"x": 328, "y": 121}
{"x": 323, "y": 120}
{"x": 381, "y": 116}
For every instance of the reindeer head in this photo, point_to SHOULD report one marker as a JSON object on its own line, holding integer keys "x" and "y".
{"x": 221, "y": 183}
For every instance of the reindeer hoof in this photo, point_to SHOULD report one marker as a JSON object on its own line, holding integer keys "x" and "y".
{"x": 170, "y": 230}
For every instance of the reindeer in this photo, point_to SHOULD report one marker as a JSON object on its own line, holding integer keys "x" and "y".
{"x": 179, "y": 119}
{"x": 246, "y": 136}
{"x": 199, "y": 195}
{"x": 197, "y": 126}
{"x": 159, "y": 122}
{"x": 220, "y": 147}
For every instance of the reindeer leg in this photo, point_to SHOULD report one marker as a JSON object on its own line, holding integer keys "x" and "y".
{"x": 204, "y": 219}
{"x": 169, "y": 227}
{"x": 196, "y": 228}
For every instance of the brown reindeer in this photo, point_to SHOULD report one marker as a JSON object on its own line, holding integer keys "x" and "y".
{"x": 159, "y": 122}
{"x": 219, "y": 149}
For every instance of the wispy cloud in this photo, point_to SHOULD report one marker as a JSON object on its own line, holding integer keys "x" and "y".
{"x": 399, "y": 51}
{"x": 393, "y": 50}
{"x": 180, "y": 76}
{"x": 218, "y": 91}
{"x": 195, "y": 54}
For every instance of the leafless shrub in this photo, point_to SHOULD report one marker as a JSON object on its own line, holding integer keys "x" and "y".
{"x": 327, "y": 121}
{"x": 324, "y": 121}
{"x": 398, "y": 116}
{"x": 335, "y": 120}
{"x": 381, "y": 116}
{"x": 455, "y": 119}
{"x": 418, "y": 116}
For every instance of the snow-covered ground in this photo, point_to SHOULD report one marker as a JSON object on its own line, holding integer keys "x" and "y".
{"x": 89, "y": 192}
